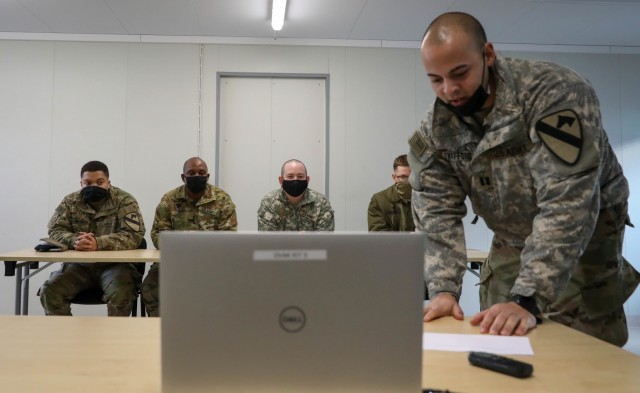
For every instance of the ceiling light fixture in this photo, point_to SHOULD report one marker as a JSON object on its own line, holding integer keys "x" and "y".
{"x": 277, "y": 14}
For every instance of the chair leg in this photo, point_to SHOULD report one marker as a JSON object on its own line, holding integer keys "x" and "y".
{"x": 143, "y": 310}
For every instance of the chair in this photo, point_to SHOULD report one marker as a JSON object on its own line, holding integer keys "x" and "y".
{"x": 91, "y": 296}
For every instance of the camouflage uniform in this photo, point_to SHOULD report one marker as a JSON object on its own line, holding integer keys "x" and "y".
{"x": 117, "y": 225}
{"x": 313, "y": 213}
{"x": 547, "y": 183}
{"x": 214, "y": 211}
{"x": 388, "y": 211}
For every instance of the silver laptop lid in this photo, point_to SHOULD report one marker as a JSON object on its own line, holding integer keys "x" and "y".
{"x": 291, "y": 312}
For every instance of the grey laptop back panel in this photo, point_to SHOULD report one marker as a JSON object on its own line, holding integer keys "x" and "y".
{"x": 291, "y": 312}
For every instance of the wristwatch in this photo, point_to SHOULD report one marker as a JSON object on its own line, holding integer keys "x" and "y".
{"x": 529, "y": 304}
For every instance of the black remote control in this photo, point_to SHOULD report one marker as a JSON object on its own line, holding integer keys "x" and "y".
{"x": 501, "y": 364}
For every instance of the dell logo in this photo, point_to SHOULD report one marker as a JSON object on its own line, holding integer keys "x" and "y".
{"x": 292, "y": 319}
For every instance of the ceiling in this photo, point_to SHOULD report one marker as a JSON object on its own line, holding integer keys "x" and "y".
{"x": 531, "y": 22}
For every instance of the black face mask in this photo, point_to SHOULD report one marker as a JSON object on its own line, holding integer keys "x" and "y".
{"x": 94, "y": 193}
{"x": 196, "y": 184}
{"x": 294, "y": 187}
{"x": 474, "y": 103}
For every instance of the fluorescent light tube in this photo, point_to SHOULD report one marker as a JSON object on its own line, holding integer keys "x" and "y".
{"x": 277, "y": 14}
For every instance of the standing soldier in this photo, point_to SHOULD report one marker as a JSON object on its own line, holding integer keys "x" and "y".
{"x": 524, "y": 141}
{"x": 194, "y": 206}
{"x": 390, "y": 209}
{"x": 98, "y": 217}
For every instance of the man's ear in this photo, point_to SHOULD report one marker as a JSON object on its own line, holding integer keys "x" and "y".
{"x": 490, "y": 54}
{"x": 280, "y": 179}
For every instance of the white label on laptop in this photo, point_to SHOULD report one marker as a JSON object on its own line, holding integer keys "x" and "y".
{"x": 290, "y": 255}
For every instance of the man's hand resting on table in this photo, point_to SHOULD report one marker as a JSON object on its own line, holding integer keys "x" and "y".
{"x": 505, "y": 319}
{"x": 442, "y": 305}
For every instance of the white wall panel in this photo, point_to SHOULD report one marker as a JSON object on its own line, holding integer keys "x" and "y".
{"x": 380, "y": 117}
{"x": 26, "y": 90}
{"x": 272, "y": 59}
{"x": 630, "y": 158}
{"x": 88, "y": 121}
{"x": 161, "y": 120}
{"x": 338, "y": 133}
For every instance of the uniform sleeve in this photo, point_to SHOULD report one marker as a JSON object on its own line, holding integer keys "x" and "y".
{"x": 130, "y": 228}
{"x": 161, "y": 221}
{"x": 228, "y": 218}
{"x": 568, "y": 196}
{"x": 266, "y": 216}
{"x": 326, "y": 220}
{"x": 375, "y": 219}
{"x": 438, "y": 208}
{"x": 60, "y": 226}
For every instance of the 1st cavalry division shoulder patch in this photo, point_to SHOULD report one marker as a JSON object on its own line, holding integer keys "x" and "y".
{"x": 133, "y": 221}
{"x": 561, "y": 133}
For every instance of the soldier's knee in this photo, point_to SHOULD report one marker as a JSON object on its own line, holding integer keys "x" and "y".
{"x": 120, "y": 294}
{"x": 52, "y": 301}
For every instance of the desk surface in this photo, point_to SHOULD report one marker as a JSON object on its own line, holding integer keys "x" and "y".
{"x": 564, "y": 360}
{"x": 99, "y": 354}
{"x": 476, "y": 255}
{"x": 79, "y": 354}
{"x": 29, "y": 255}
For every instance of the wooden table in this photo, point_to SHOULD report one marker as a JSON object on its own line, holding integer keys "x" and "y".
{"x": 99, "y": 354}
{"x": 564, "y": 361}
{"x": 475, "y": 258}
{"x": 79, "y": 354}
{"x": 24, "y": 258}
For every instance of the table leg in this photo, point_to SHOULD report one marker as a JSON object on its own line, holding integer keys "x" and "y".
{"x": 18, "y": 290}
{"x": 25, "y": 290}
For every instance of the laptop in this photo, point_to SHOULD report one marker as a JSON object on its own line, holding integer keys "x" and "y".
{"x": 291, "y": 312}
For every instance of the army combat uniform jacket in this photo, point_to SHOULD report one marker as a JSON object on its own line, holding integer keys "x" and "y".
{"x": 313, "y": 213}
{"x": 117, "y": 225}
{"x": 215, "y": 211}
{"x": 543, "y": 176}
{"x": 388, "y": 211}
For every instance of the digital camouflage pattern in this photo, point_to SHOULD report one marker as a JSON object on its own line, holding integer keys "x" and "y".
{"x": 117, "y": 225}
{"x": 388, "y": 211}
{"x": 214, "y": 211}
{"x": 543, "y": 178}
{"x": 313, "y": 213}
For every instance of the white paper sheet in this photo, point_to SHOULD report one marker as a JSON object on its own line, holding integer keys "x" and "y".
{"x": 502, "y": 345}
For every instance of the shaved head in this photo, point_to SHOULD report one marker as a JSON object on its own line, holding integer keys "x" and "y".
{"x": 292, "y": 161}
{"x": 194, "y": 162}
{"x": 450, "y": 24}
